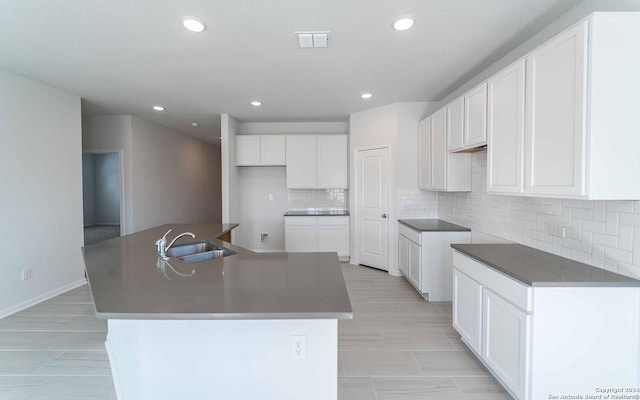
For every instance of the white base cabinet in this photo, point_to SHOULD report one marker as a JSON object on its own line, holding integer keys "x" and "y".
{"x": 425, "y": 260}
{"x": 545, "y": 341}
{"x": 317, "y": 234}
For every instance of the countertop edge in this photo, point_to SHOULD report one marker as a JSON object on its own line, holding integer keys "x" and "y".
{"x": 565, "y": 284}
{"x": 459, "y": 228}
{"x": 238, "y": 316}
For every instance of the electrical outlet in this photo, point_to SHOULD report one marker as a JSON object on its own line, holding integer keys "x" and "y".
{"x": 298, "y": 348}
{"x": 26, "y": 274}
{"x": 270, "y": 197}
{"x": 558, "y": 231}
{"x": 264, "y": 238}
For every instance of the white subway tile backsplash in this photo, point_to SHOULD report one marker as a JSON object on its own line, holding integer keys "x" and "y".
{"x": 605, "y": 234}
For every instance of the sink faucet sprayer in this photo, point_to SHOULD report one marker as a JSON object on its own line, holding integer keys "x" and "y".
{"x": 161, "y": 244}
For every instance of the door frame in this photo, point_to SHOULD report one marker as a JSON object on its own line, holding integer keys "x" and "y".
{"x": 120, "y": 152}
{"x": 356, "y": 212}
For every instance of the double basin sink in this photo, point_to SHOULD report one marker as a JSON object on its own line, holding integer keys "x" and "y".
{"x": 198, "y": 251}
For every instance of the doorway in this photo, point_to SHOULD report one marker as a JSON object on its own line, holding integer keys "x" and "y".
{"x": 372, "y": 206}
{"x": 102, "y": 196}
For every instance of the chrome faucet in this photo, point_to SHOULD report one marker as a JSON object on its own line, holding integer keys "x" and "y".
{"x": 161, "y": 243}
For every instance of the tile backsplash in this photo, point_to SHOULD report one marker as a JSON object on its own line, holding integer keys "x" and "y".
{"x": 605, "y": 234}
{"x": 319, "y": 199}
{"x": 417, "y": 204}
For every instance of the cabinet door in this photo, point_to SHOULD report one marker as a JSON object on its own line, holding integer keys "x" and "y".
{"x": 439, "y": 150}
{"x": 475, "y": 125}
{"x": 556, "y": 102}
{"x": 415, "y": 265}
{"x": 403, "y": 255}
{"x": 301, "y": 162}
{"x": 273, "y": 150}
{"x": 424, "y": 154}
{"x": 334, "y": 238}
{"x": 332, "y": 161}
{"x": 300, "y": 234}
{"x": 505, "y": 160}
{"x": 455, "y": 124}
{"x": 247, "y": 150}
{"x": 506, "y": 342}
{"x": 467, "y": 309}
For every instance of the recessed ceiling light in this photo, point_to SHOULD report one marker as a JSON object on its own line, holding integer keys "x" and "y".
{"x": 366, "y": 95}
{"x": 158, "y": 108}
{"x": 194, "y": 124}
{"x": 256, "y": 103}
{"x": 193, "y": 24}
{"x": 403, "y": 23}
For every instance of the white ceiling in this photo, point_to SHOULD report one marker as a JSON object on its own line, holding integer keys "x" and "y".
{"x": 123, "y": 56}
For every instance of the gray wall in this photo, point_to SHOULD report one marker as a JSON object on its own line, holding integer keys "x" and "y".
{"x": 88, "y": 190}
{"x": 41, "y": 196}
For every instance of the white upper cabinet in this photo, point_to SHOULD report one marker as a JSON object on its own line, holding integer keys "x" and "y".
{"x": 317, "y": 162}
{"x": 475, "y": 116}
{"x": 455, "y": 124}
{"x": 582, "y": 121}
{"x": 555, "y": 130}
{"x": 438, "y": 168}
{"x": 424, "y": 154}
{"x": 505, "y": 126}
{"x": 332, "y": 161}
{"x": 260, "y": 150}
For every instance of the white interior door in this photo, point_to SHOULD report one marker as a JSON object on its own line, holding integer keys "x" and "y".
{"x": 372, "y": 203}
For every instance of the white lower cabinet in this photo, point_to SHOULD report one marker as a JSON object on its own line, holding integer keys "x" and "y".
{"x": 312, "y": 234}
{"x": 425, "y": 259}
{"x": 543, "y": 341}
{"x": 507, "y": 355}
{"x": 467, "y": 309}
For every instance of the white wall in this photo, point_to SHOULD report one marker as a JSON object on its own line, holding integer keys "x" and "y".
{"x": 230, "y": 175}
{"x": 169, "y": 177}
{"x": 174, "y": 177}
{"x": 605, "y": 234}
{"x": 395, "y": 125}
{"x": 113, "y": 133}
{"x": 41, "y": 197}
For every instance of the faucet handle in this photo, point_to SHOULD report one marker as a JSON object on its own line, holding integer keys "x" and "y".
{"x": 164, "y": 238}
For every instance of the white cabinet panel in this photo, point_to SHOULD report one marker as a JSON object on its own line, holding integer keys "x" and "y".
{"x": 301, "y": 162}
{"x": 506, "y": 354}
{"x": 467, "y": 309}
{"x": 505, "y": 149}
{"x": 403, "y": 255}
{"x": 475, "y": 116}
{"x": 248, "y": 150}
{"x": 455, "y": 124}
{"x": 556, "y": 101}
{"x": 424, "y": 154}
{"x": 300, "y": 238}
{"x": 439, "y": 150}
{"x": 332, "y": 161}
{"x": 273, "y": 150}
{"x": 311, "y": 234}
{"x": 415, "y": 265}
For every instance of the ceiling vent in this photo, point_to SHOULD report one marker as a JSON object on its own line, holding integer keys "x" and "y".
{"x": 313, "y": 39}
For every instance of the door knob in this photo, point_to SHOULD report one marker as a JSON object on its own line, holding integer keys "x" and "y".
{"x": 384, "y": 215}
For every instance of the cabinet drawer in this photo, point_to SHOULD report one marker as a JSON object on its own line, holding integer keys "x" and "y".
{"x": 328, "y": 221}
{"x": 511, "y": 290}
{"x": 306, "y": 221}
{"x": 409, "y": 233}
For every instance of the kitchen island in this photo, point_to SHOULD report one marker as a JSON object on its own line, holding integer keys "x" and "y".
{"x": 249, "y": 325}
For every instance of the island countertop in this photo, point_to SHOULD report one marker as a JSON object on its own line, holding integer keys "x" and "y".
{"x": 129, "y": 281}
{"x": 538, "y": 268}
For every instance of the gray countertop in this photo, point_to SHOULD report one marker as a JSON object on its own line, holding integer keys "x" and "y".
{"x": 313, "y": 213}
{"x": 129, "y": 281}
{"x": 538, "y": 268}
{"x": 432, "y": 225}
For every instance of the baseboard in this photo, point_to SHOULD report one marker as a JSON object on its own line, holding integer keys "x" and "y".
{"x": 114, "y": 370}
{"x": 39, "y": 299}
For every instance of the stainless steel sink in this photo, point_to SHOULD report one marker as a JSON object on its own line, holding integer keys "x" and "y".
{"x": 199, "y": 251}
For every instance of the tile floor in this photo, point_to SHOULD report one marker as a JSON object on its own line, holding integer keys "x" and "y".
{"x": 397, "y": 347}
